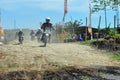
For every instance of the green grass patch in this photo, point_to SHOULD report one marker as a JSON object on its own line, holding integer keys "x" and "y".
{"x": 116, "y": 57}
{"x": 14, "y": 65}
{"x": 88, "y": 42}
{"x": 85, "y": 78}
{"x": 1, "y": 66}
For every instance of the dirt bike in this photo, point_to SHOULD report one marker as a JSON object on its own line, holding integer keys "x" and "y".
{"x": 46, "y": 37}
{"x": 21, "y": 39}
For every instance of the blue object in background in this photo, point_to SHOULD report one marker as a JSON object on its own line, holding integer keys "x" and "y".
{"x": 80, "y": 39}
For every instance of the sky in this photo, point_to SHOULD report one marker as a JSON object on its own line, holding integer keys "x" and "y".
{"x": 29, "y": 13}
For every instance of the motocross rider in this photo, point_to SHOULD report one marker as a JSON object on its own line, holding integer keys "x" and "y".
{"x": 47, "y": 26}
{"x": 20, "y": 34}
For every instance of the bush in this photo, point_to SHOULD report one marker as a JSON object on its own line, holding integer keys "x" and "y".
{"x": 108, "y": 37}
{"x": 111, "y": 32}
{"x": 117, "y": 37}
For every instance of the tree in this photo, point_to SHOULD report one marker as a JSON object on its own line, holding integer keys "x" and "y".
{"x": 72, "y": 25}
{"x": 99, "y": 5}
{"x": 105, "y": 5}
{"x": 58, "y": 27}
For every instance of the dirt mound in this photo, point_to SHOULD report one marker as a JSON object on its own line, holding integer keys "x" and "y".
{"x": 21, "y": 75}
{"x": 106, "y": 45}
{"x": 67, "y": 73}
{"x": 72, "y": 73}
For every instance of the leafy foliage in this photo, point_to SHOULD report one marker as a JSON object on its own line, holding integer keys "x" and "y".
{"x": 99, "y": 5}
{"x": 72, "y": 24}
{"x": 111, "y": 32}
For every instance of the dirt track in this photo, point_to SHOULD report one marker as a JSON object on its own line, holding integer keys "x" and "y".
{"x": 30, "y": 53}
{"x": 30, "y": 56}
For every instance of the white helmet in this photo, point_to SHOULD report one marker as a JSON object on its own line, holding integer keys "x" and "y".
{"x": 20, "y": 29}
{"x": 48, "y": 18}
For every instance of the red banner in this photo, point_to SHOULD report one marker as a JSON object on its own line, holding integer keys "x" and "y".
{"x": 65, "y": 6}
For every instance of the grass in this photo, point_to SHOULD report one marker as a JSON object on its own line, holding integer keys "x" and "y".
{"x": 12, "y": 65}
{"x": 1, "y": 66}
{"x": 85, "y": 78}
{"x": 88, "y": 42}
{"x": 116, "y": 57}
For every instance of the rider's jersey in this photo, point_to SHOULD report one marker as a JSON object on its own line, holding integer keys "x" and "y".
{"x": 20, "y": 34}
{"x": 46, "y": 26}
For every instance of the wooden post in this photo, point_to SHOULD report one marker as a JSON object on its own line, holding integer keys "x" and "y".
{"x": 114, "y": 25}
{"x": 63, "y": 23}
{"x": 98, "y": 28}
{"x": 114, "y": 31}
{"x": 86, "y": 30}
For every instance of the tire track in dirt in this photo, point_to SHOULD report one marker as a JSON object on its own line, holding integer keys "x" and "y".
{"x": 63, "y": 53}
{"x": 30, "y": 56}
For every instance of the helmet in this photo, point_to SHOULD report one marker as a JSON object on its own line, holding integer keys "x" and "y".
{"x": 48, "y": 18}
{"x": 20, "y": 29}
{"x": 32, "y": 31}
{"x": 39, "y": 28}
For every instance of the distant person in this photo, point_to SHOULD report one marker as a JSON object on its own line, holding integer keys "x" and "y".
{"x": 2, "y": 34}
{"x": 20, "y": 36}
{"x": 80, "y": 37}
{"x": 38, "y": 34}
{"x": 74, "y": 37}
{"x": 47, "y": 26}
{"x": 32, "y": 34}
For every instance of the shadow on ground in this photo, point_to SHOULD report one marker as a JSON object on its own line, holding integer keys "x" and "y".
{"x": 67, "y": 73}
{"x": 38, "y": 46}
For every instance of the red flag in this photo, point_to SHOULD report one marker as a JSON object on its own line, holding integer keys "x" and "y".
{"x": 65, "y": 6}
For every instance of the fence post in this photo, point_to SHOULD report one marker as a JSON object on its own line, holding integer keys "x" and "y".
{"x": 86, "y": 30}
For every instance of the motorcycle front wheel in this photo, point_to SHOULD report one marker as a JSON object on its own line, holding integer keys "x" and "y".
{"x": 21, "y": 40}
{"x": 45, "y": 41}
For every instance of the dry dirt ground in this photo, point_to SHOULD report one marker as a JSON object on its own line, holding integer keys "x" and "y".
{"x": 31, "y": 56}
